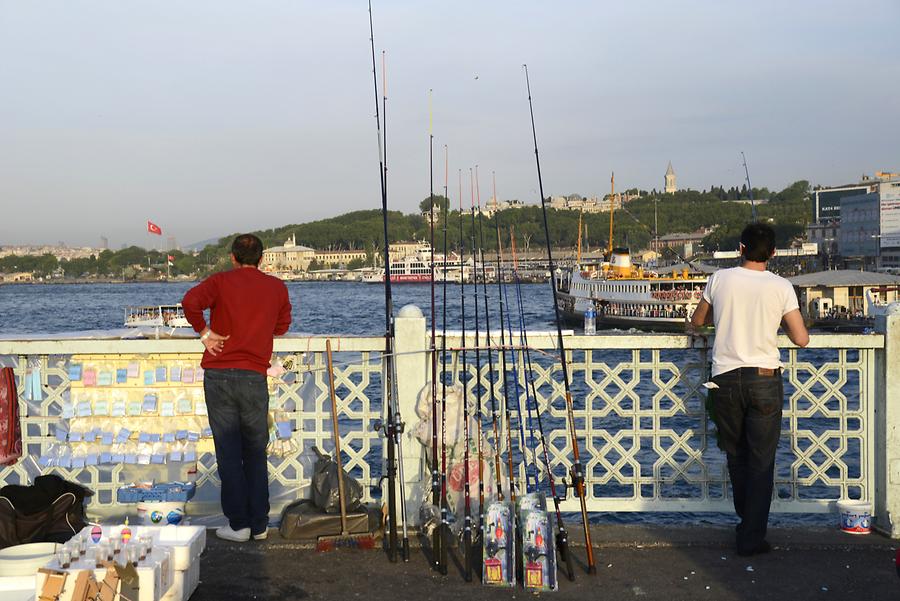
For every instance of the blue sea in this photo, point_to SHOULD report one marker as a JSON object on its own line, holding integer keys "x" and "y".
{"x": 319, "y": 307}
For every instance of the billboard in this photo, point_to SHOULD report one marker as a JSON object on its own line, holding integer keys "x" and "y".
{"x": 890, "y": 216}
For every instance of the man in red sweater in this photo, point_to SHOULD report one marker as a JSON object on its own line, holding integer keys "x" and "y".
{"x": 246, "y": 309}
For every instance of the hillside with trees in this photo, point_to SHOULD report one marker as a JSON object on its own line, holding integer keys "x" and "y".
{"x": 789, "y": 211}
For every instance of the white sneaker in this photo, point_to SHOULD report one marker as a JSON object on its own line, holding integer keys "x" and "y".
{"x": 262, "y": 535}
{"x": 237, "y": 536}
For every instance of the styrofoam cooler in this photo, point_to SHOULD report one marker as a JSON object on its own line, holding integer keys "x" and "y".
{"x": 155, "y": 576}
{"x": 186, "y": 542}
{"x": 185, "y": 583}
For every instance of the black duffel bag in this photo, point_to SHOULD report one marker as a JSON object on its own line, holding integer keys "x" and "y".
{"x": 52, "y": 510}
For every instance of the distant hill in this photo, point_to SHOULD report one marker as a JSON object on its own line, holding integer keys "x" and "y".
{"x": 200, "y": 245}
{"x": 684, "y": 211}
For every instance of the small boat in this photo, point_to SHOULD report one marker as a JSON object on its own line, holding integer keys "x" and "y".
{"x": 156, "y": 316}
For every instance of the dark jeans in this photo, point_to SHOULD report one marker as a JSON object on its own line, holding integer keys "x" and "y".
{"x": 748, "y": 407}
{"x": 238, "y": 403}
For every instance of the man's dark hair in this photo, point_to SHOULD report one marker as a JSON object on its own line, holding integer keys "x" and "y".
{"x": 759, "y": 242}
{"x": 247, "y": 249}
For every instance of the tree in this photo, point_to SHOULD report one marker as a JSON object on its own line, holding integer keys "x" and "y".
{"x": 440, "y": 203}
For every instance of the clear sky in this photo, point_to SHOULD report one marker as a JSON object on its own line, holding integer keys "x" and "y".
{"x": 216, "y": 116}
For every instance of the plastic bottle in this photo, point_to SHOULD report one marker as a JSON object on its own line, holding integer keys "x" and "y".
{"x": 590, "y": 321}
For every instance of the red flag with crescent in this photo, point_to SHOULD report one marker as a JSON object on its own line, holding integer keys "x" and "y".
{"x": 152, "y": 228}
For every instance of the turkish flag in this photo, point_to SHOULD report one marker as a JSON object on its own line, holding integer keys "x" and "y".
{"x": 153, "y": 228}
{"x": 171, "y": 258}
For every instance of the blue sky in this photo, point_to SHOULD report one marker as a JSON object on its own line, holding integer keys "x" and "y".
{"x": 211, "y": 117}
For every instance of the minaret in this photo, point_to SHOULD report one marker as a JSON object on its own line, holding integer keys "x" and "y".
{"x": 671, "y": 187}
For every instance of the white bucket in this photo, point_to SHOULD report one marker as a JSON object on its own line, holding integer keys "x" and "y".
{"x": 161, "y": 513}
{"x": 856, "y": 516}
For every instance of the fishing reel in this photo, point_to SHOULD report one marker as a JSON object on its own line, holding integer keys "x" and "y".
{"x": 390, "y": 428}
{"x": 576, "y": 483}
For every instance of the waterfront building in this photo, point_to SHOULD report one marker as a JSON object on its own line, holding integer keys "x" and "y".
{"x": 684, "y": 243}
{"x": 870, "y": 226}
{"x": 826, "y": 236}
{"x": 333, "y": 258}
{"x": 288, "y": 257}
{"x": 18, "y": 277}
{"x": 671, "y": 185}
{"x": 843, "y": 291}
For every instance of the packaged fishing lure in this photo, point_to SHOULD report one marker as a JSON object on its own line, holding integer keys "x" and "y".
{"x": 538, "y": 554}
{"x": 498, "y": 534}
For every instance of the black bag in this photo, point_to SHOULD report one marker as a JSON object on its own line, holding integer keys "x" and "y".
{"x": 301, "y": 520}
{"x": 52, "y": 510}
{"x": 325, "y": 486}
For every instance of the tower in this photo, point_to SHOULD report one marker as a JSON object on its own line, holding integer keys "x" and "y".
{"x": 671, "y": 187}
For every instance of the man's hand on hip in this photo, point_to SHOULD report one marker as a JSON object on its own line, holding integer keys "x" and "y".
{"x": 213, "y": 342}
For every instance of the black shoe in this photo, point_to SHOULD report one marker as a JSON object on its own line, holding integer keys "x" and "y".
{"x": 761, "y": 548}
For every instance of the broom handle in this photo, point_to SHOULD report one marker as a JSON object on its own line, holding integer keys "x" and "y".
{"x": 337, "y": 437}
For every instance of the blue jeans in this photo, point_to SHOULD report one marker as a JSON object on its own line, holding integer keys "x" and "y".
{"x": 237, "y": 401}
{"x": 748, "y": 407}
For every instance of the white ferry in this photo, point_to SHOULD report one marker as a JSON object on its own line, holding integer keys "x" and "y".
{"x": 159, "y": 316}
{"x": 624, "y": 296}
{"x": 415, "y": 268}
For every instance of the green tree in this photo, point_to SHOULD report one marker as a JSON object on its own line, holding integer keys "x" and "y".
{"x": 440, "y": 203}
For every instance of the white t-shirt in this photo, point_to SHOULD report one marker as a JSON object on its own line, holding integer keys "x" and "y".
{"x": 747, "y": 309}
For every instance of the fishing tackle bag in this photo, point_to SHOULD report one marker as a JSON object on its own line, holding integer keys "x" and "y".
{"x": 52, "y": 510}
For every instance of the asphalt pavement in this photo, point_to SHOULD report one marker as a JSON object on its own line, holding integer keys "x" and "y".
{"x": 633, "y": 562}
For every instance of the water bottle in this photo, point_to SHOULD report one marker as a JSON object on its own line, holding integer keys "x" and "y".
{"x": 590, "y": 321}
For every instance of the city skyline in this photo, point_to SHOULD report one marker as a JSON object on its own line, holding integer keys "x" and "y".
{"x": 214, "y": 117}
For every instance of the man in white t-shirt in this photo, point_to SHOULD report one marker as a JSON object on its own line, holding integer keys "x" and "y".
{"x": 747, "y": 305}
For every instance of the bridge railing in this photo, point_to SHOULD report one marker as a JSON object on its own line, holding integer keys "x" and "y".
{"x": 646, "y": 441}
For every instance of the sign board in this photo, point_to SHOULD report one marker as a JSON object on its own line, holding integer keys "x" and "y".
{"x": 890, "y": 216}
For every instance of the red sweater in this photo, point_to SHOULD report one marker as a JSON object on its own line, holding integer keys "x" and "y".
{"x": 245, "y": 304}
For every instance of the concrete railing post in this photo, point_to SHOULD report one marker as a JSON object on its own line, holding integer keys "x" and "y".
{"x": 411, "y": 344}
{"x": 887, "y": 427}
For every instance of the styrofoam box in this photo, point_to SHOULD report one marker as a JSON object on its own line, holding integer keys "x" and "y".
{"x": 186, "y": 542}
{"x": 155, "y": 576}
{"x": 185, "y": 583}
{"x": 17, "y": 588}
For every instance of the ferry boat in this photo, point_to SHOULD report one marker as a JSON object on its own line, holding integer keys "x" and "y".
{"x": 415, "y": 268}
{"x": 624, "y": 296}
{"x": 158, "y": 316}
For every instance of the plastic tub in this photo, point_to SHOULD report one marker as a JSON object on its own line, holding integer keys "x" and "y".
{"x": 25, "y": 560}
{"x": 856, "y": 516}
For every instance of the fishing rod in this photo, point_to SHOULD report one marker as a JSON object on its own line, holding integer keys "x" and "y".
{"x": 487, "y": 328}
{"x": 577, "y": 469}
{"x": 445, "y": 508}
{"x": 562, "y": 536}
{"x": 477, "y": 389}
{"x": 467, "y": 524}
{"x": 506, "y": 409}
{"x": 435, "y": 477}
{"x": 389, "y": 326}
{"x": 523, "y": 447}
{"x": 398, "y": 425}
{"x": 526, "y": 380}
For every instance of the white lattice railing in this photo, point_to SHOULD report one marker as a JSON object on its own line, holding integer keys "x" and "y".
{"x": 645, "y": 440}
{"x": 644, "y": 436}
